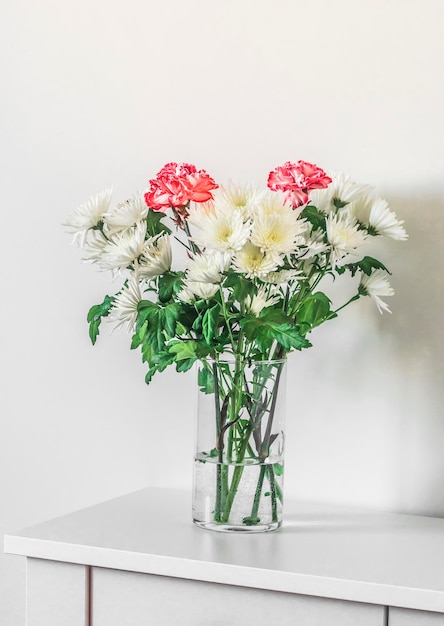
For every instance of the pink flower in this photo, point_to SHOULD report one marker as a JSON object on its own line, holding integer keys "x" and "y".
{"x": 166, "y": 192}
{"x": 200, "y": 185}
{"x": 296, "y": 180}
{"x": 178, "y": 183}
{"x": 179, "y": 170}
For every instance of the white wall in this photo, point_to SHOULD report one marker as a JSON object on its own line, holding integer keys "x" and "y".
{"x": 96, "y": 93}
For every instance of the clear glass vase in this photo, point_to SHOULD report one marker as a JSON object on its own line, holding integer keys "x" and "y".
{"x": 239, "y": 459}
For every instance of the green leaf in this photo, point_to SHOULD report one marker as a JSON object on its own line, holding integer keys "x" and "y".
{"x": 169, "y": 284}
{"x": 197, "y": 324}
{"x": 290, "y": 338}
{"x": 210, "y": 322}
{"x": 315, "y": 217}
{"x": 94, "y": 330}
{"x": 273, "y": 325}
{"x": 313, "y": 311}
{"x": 148, "y": 351}
{"x": 95, "y": 315}
{"x": 183, "y": 349}
{"x": 157, "y": 361}
{"x": 185, "y": 364}
{"x": 240, "y": 286}
{"x": 168, "y": 317}
{"x": 139, "y": 336}
{"x": 278, "y": 469}
{"x": 279, "y": 492}
{"x": 205, "y": 380}
{"x": 366, "y": 265}
{"x": 145, "y": 310}
{"x": 154, "y": 225}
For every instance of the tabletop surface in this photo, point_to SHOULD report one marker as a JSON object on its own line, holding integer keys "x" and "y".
{"x": 321, "y": 550}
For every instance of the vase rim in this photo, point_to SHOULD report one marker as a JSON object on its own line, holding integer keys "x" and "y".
{"x": 232, "y": 359}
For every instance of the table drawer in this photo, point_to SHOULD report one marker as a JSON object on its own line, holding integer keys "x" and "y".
{"x": 130, "y": 599}
{"x": 408, "y": 617}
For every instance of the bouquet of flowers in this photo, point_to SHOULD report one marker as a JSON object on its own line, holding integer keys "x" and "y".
{"x": 256, "y": 259}
{"x": 251, "y": 288}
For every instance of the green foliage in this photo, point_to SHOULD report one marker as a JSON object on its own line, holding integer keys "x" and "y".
{"x": 210, "y": 323}
{"x": 156, "y": 326}
{"x": 183, "y": 350}
{"x": 315, "y": 217}
{"x": 313, "y": 311}
{"x": 169, "y": 284}
{"x": 95, "y": 315}
{"x": 154, "y": 224}
{"x": 241, "y": 287}
{"x": 158, "y": 362}
{"x": 278, "y": 469}
{"x": 169, "y": 331}
{"x": 366, "y": 265}
{"x": 186, "y": 353}
{"x": 205, "y": 380}
{"x": 273, "y": 325}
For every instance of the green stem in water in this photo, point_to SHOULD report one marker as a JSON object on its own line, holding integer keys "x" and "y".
{"x": 271, "y": 476}
{"x": 219, "y": 474}
{"x": 237, "y": 475}
{"x": 257, "y": 496}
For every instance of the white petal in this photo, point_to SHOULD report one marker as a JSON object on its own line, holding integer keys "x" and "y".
{"x": 375, "y": 286}
{"x": 88, "y": 215}
{"x": 156, "y": 257}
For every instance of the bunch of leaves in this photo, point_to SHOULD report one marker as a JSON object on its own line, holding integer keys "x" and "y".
{"x": 169, "y": 331}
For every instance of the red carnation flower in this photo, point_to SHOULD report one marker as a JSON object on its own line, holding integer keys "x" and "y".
{"x": 296, "y": 180}
{"x": 176, "y": 184}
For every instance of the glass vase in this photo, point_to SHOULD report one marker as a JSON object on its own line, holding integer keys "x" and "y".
{"x": 239, "y": 458}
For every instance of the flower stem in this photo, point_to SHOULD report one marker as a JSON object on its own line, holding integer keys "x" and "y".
{"x": 356, "y": 297}
{"x": 257, "y": 496}
{"x": 219, "y": 477}
{"x": 237, "y": 475}
{"x": 271, "y": 476}
{"x": 266, "y": 442}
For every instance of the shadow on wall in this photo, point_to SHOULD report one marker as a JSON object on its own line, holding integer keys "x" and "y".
{"x": 416, "y": 329}
{"x": 366, "y": 425}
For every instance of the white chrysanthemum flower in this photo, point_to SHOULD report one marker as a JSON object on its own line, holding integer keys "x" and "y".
{"x": 124, "y": 248}
{"x": 208, "y": 267}
{"x": 260, "y": 301}
{"x": 88, "y": 216}
{"x": 186, "y": 295}
{"x": 385, "y": 222}
{"x": 339, "y": 193}
{"x": 124, "y": 309}
{"x": 94, "y": 247}
{"x": 252, "y": 262}
{"x": 360, "y": 208}
{"x": 220, "y": 230}
{"x": 273, "y": 202}
{"x": 198, "y": 289}
{"x": 126, "y": 214}
{"x": 314, "y": 244}
{"x": 344, "y": 237}
{"x": 242, "y": 198}
{"x": 375, "y": 286}
{"x": 281, "y": 277}
{"x": 156, "y": 257}
{"x": 374, "y": 213}
{"x": 277, "y": 233}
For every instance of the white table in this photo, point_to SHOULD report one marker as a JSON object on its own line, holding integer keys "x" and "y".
{"x": 138, "y": 560}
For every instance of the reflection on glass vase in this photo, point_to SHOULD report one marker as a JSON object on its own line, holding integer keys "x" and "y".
{"x": 239, "y": 459}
